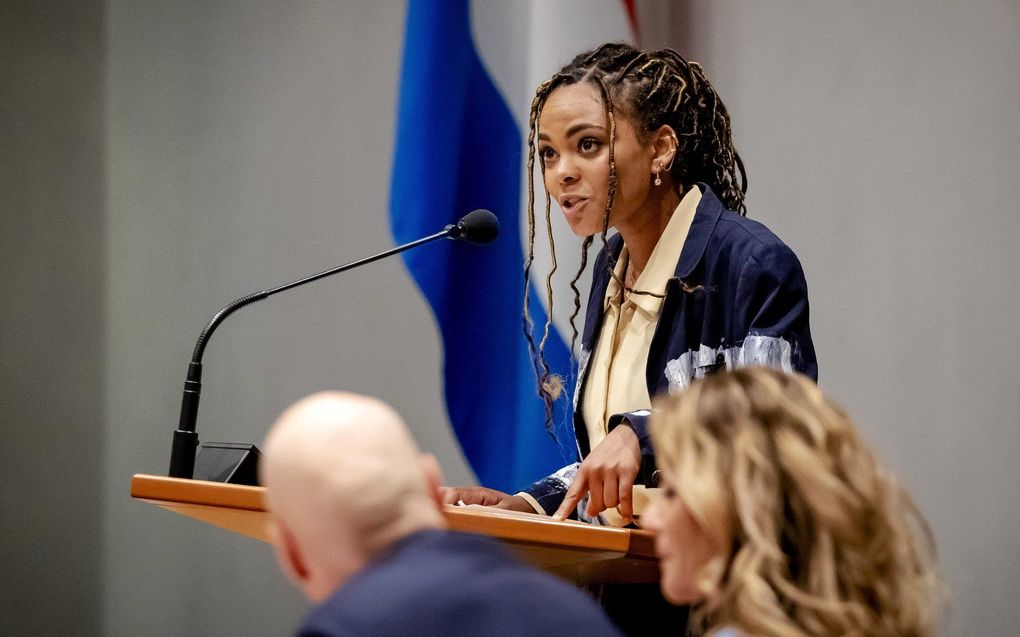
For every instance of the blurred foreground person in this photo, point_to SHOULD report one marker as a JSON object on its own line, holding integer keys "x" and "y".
{"x": 356, "y": 524}
{"x": 777, "y": 520}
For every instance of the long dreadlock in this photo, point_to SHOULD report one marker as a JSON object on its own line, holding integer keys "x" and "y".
{"x": 653, "y": 88}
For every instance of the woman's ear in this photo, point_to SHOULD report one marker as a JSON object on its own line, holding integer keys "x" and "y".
{"x": 664, "y": 145}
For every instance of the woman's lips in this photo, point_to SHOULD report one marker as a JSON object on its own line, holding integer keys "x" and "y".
{"x": 570, "y": 204}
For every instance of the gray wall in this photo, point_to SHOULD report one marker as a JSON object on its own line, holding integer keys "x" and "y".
{"x": 161, "y": 159}
{"x": 52, "y": 338}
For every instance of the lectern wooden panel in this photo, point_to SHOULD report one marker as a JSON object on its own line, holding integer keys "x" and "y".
{"x": 577, "y": 552}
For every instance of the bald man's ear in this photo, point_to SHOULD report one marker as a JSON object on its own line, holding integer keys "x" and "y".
{"x": 288, "y": 554}
{"x": 433, "y": 476}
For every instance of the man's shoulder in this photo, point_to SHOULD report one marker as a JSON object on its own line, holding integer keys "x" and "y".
{"x": 442, "y": 582}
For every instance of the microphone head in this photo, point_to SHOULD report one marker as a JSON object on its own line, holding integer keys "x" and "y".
{"x": 478, "y": 227}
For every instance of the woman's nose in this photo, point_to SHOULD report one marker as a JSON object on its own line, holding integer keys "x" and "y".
{"x": 566, "y": 170}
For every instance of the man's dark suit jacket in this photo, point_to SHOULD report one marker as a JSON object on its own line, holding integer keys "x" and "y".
{"x": 446, "y": 583}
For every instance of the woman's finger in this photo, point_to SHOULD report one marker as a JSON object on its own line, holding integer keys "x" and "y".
{"x": 626, "y": 495}
{"x": 595, "y": 492}
{"x": 573, "y": 496}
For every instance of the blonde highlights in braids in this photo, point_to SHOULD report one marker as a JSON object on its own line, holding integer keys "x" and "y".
{"x": 653, "y": 89}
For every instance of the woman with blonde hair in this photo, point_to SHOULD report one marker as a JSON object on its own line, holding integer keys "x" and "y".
{"x": 776, "y": 518}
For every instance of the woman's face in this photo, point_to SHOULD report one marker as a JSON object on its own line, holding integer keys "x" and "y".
{"x": 573, "y": 145}
{"x": 681, "y": 544}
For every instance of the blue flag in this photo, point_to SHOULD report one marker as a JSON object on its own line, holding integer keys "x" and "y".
{"x": 457, "y": 149}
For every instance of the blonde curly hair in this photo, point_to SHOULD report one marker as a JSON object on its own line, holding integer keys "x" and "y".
{"x": 815, "y": 537}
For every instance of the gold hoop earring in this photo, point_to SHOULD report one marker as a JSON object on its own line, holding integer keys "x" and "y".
{"x": 658, "y": 179}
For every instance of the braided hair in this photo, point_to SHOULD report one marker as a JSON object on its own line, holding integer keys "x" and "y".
{"x": 653, "y": 89}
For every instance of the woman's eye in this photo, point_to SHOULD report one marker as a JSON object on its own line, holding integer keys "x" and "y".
{"x": 589, "y": 144}
{"x": 546, "y": 153}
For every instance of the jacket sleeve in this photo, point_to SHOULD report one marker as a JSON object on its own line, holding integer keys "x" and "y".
{"x": 771, "y": 302}
{"x": 548, "y": 493}
{"x": 638, "y": 421}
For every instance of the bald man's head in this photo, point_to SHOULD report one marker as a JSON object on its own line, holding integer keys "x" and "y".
{"x": 344, "y": 480}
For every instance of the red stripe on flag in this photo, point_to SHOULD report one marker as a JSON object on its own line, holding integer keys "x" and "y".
{"x": 631, "y": 8}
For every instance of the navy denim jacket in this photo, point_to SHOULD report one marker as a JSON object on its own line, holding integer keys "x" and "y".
{"x": 748, "y": 306}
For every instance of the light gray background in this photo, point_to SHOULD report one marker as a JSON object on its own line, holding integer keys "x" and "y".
{"x": 162, "y": 158}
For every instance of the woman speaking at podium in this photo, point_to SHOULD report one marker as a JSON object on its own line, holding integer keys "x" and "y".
{"x": 640, "y": 142}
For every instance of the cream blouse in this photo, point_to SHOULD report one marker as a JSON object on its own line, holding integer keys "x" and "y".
{"x": 616, "y": 371}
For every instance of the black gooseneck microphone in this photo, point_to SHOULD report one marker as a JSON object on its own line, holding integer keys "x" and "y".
{"x": 477, "y": 227}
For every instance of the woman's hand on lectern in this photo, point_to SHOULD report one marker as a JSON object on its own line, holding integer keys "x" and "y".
{"x": 608, "y": 473}
{"x": 485, "y": 497}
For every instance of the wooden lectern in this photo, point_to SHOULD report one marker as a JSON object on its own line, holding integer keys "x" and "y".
{"x": 575, "y": 551}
